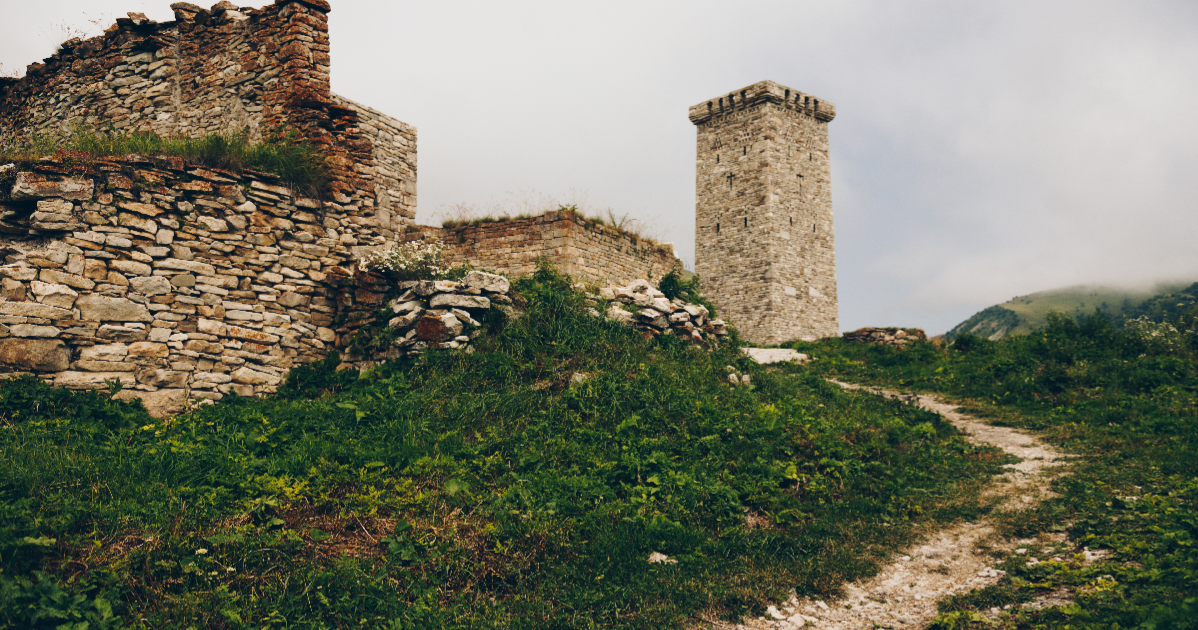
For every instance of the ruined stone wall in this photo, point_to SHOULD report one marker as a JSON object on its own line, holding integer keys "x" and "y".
{"x": 586, "y": 250}
{"x": 221, "y": 69}
{"x": 176, "y": 281}
{"x": 763, "y": 219}
{"x": 393, "y": 146}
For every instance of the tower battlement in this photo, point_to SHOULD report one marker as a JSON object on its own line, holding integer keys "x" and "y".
{"x": 763, "y": 92}
{"x": 763, "y": 212}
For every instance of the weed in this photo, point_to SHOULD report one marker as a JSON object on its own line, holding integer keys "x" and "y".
{"x": 300, "y": 165}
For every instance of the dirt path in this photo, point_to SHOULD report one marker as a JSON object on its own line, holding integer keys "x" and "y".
{"x": 955, "y": 560}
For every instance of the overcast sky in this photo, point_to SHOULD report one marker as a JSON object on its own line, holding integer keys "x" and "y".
{"x": 981, "y": 150}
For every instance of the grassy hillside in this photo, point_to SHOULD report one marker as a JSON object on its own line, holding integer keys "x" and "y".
{"x": 1026, "y": 313}
{"x": 1125, "y": 401}
{"x": 484, "y": 490}
{"x": 1166, "y": 306}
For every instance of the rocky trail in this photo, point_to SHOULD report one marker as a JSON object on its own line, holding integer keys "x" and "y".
{"x": 957, "y": 560}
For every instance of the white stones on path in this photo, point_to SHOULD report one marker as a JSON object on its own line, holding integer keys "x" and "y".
{"x": 904, "y": 593}
{"x": 765, "y": 356}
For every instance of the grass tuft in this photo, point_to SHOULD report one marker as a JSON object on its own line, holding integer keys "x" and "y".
{"x": 300, "y": 165}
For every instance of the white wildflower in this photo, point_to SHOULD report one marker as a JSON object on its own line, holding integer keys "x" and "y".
{"x": 414, "y": 260}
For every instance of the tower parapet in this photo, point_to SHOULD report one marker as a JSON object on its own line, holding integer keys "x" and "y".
{"x": 763, "y": 92}
{"x": 764, "y": 240}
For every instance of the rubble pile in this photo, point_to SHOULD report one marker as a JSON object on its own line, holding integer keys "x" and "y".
{"x": 897, "y": 337}
{"x": 643, "y": 307}
{"x": 441, "y": 313}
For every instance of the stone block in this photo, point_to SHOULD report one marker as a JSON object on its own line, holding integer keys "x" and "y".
{"x": 189, "y": 266}
{"x": 249, "y": 334}
{"x": 291, "y": 300}
{"x": 12, "y": 290}
{"x": 131, "y": 268}
{"x": 60, "y": 208}
{"x": 152, "y": 285}
{"x": 403, "y": 321}
{"x": 93, "y": 380}
{"x": 109, "y": 309}
{"x": 31, "y": 186}
{"x": 246, "y": 376}
{"x": 109, "y": 352}
{"x": 59, "y": 295}
{"x": 35, "y": 355}
{"x": 213, "y": 224}
{"x": 489, "y": 282}
{"x": 140, "y": 208}
{"x": 121, "y": 333}
{"x": 103, "y": 366}
{"x": 33, "y": 331}
{"x": 149, "y": 349}
{"x": 438, "y": 329}
{"x": 155, "y": 377}
{"x": 163, "y": 403}
{"x": 128, "y": 220}
{"x": 54, "y": 276}
{"x": 17, "y": 272}
{"x": 33, "y": 309}
{"x": 452, "y": 300}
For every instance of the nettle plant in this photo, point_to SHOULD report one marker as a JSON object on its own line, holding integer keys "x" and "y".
{"x": 414, "y": 260}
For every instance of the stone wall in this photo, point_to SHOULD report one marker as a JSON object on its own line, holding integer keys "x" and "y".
{"x": 897, "y": 337}
{"x": 178, "y": 282}
{"x": 586, "y": 250}
{"x": 763, "y": 217}
{"x": 221, "y": 69}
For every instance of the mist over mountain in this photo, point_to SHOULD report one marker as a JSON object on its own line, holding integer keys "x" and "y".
{"x": 1026, "y": 313}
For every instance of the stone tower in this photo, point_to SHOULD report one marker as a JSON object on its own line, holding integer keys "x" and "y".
{"x": 763, "y": 213}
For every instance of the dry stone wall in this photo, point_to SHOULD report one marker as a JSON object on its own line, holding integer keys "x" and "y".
{"x": 221, "y": 69}
{"x": 178, "y": 282}
{"x": 418, "y": 315}
{"x": 647, "y": 309}
{"x": 586, "y": 250}
{"x": 897, "y": 337}
{"x": 763, "y": 218}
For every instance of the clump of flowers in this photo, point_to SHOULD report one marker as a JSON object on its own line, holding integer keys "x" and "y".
{"x": 1162, "y": 337}
{"x": 414, "y": 260}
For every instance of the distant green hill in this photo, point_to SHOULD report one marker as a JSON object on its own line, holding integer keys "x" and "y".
{"x": 1026, "y": 313}
{"x": 1166, "y": 305}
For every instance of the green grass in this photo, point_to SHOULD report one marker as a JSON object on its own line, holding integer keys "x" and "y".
{"x": 300, "y": 165}
{"x": 472, "y": 490}
{"x": 1125, "y": 400}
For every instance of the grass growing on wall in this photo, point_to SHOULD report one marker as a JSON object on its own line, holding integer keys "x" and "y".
{"x": 621, "y": 225}
{"x": 300, "y": 165}
{"x": 478, "y": 490}
{"x": 1125, "y": 401}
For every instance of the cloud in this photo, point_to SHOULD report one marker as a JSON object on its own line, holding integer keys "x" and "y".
{"x": 981, "y": 150}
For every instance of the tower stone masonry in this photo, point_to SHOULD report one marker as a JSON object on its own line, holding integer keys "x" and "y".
{"x": 764, "y": 243}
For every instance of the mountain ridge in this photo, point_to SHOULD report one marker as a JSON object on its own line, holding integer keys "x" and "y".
{"x": 1025, "y": 313}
